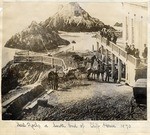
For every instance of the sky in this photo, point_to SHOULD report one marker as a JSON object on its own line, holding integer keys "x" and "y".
{"x": 18, "y": 16}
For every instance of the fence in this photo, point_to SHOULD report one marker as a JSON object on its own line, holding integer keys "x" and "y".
{"x": 43, "y": 59}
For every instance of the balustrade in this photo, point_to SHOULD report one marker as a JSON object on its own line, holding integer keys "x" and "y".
{"x": 118, "y": 50}
{"x": 43, "y": 59}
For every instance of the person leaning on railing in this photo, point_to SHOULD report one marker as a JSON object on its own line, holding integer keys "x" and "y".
{"x": 127, "y": 48}
{"x": 108, "y": 38}
{"x": 114, "y": 39}
{"x": 132, "y": 50}
{"x": 136, "y": 53}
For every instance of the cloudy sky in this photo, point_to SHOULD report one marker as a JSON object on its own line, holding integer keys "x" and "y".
{"x": 18, "y": 16}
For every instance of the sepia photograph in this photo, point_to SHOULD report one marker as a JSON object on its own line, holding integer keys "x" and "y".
{"x": 74, "y": 61}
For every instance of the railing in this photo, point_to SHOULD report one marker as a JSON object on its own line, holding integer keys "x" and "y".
{"x": 119, "y": 51}
{"x": 122, "y": 53}
{"x": 43, "y": 59}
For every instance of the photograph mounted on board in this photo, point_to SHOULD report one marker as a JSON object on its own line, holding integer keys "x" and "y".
{"x": 74, "y": 61}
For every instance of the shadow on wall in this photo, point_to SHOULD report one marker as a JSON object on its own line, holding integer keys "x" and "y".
{"x": 141, "y": 73}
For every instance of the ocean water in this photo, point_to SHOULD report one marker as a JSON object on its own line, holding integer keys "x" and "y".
{"x": 7, "y": 55}
{"x": 84, "y": 41}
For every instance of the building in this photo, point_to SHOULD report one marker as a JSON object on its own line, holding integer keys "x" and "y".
{"x": 134, "y": 33}
{"x": 135, "y": 24}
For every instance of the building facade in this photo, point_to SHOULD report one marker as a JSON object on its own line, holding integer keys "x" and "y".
{"x": 135, "y": 24}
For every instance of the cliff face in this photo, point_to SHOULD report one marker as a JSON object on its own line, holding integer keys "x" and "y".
{"x": 71, "y": 17}
{"x": 20, "y": 74}
{"x": 36, "y": 38}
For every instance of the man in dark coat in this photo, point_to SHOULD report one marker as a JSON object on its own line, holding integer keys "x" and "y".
{"x": 132, "y": 50}
{"x": 55, "y": 80}
{"x": 102, "y": 71}
{"x": 137, "y": 53}
{"x": 107, "y": 71}
{"x": 127, "y": 48}
{"x": 114, "y": 39}
{"x": 50, "y": 79}
{"x": 108, "y": 38}
{"x": 92, "y": 60}
{"x": 115, "y": 76}
{"x": 145, "y": 51}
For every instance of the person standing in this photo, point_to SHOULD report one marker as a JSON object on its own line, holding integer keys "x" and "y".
{"x": 136, "y": 53}
{"x": 108, "y": 38}
{"x": 127, "y": 48}
{"x": 50, "y": 79}
{"x": 115, "y": 76}
{"x": 55, "y": 80}
{"x": 102, "y": 71}
{"x": 145, "y": 51}
{"x": 92, "y": 61}
{"x": 98, "y": 69}
{"x": 114, "y": 38}
{"x": 107, "y": 73}
{"x": 132, "y": 50}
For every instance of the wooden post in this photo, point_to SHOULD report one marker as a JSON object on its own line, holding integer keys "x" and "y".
{"x": 106, "y": 56}
{"x": 126, "y": 73}
{"x": 112, "y": 64}
{"x": 119, "y": 70}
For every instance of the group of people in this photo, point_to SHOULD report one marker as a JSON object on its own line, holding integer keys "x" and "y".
{"x": 53, "y": 79}
{"x": 135, "y": 52}
{"x": 102, "y": 70}
{"x": 132, "y": 50}
{"x": 109, "y": 35}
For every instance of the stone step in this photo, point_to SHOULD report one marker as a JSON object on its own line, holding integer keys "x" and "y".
{"x": 34, "y": 103}
{"x": 9, "y": 101}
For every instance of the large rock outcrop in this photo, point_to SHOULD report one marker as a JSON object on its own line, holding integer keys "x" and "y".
{"x": 36, "y": 38}
{"x": 71, "y": 17}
